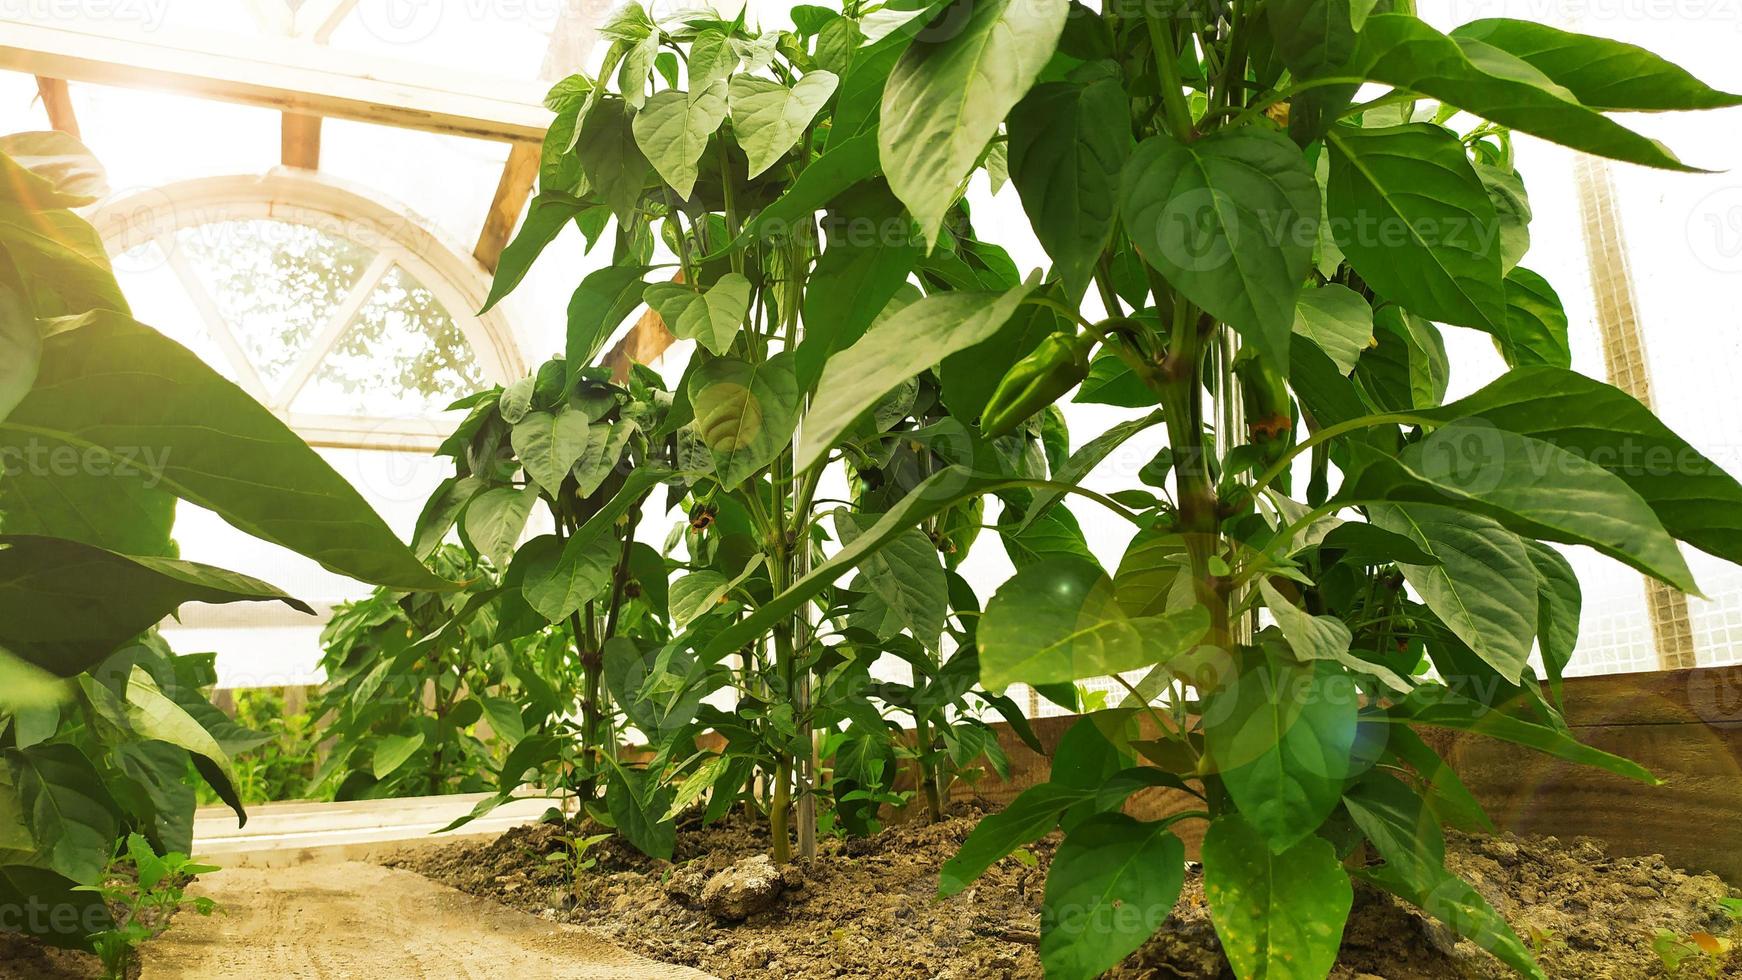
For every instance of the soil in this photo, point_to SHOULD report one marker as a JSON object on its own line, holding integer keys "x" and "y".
{"x": 866, "y": 908}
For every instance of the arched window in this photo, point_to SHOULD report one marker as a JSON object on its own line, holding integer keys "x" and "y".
{"x": 353, "y": 321}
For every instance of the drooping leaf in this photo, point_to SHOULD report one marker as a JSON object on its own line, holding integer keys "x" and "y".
{"x": 48, "y": 170}
{"x": 1338, "y": 320}
{"x": 1558, "y": 603}
{"x": 913, "y": 339}
{"x": 599, "y": 305}
{"x": 906, "y": 574}
{"x": 548, "y": 445}
{"x": 710, "y": 318}
{"x": 1060, "y": 620}
{"x": 1028, "y": 818}
{"x": 949, "y": 91}
{"x": 549, "y": 213}
{"x": 604, "y": 450}
{"x": 64, "y": 606}
{"x": 1068, "y": 144}
{"x": 1279, "y": 916}
{"x": 558, "y": 579}
{"x": 858, "y": 274}
{"x": 1230, "y": 220}
{"x": 673, "y": 129}
{"x": 71, "y": 815}
{"x": 1512, "y": 212}
{"x": 1412, "y": 217}
{"x": 610, "y": 156}
{"x": 109, "y": 386}
{"x": 1314, "y": 38}
{"x": 1111, "y": 884}
{"x": 1601, "y": 73}
{"x": 1281, "y": 736}
{"x": 745, "y": 413}
{"x": 639, "y": 809}
{"x": 62, "y": 265}
{"x": 495, "y": 519}
{"x": 1323, "y": 638}
{"x": 20, "y": 350}
{"x": 394, "y": 751}
{"x": 1536, "y": 323}
{"x": 769, "y": 118}
{"x": 153, "y": 715}
{"x": 1440, "y": 707}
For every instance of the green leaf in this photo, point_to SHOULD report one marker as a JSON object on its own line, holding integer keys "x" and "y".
{"x": 602, "y": 453}
{"x": 1445, "y": 792}
{"x": 1558, "y": 603}
{"x": 1401, "y": 50}
{"x": 441, "y": 511}
{"x": 858, "y": 275}
{"x": 769, "y": 119}
{"x": 745, "y": 413}
{"x": 109, "y": 386}
{"x": 1338, "y": 320}
{"x": 710, "y": 318}
{"x": 1059, "y": 620}
{"x": 894, "y": 350}
{"x": 599, "y": 305}
{"x": 906, "y": 574}
{"x": 393, "y": 751}
{"x": 1314, "y": 38}
{"x": 549, "y": 213}
{"x": 64, "y": 606}
{"x": 1084, "y": 460}
{"x": 1484, "y": 587}
{"x": 1696, "y": 500}
{"x": 1393, "y": 817}
{"x": 949, "y": 91}
{"x": 695, "y": 594}
{"x": 548, "y": 445}
{"x": 153, "y": 715}
{"x": 20, "y": 886}
{"x": 1323, "y": 638}
{"x": 70, "y": 814}
{"x": 1440, "y": 707}
{"x": 610, "y": 156}
{"x": 1601, "y": 73}
{"x": 495, "y": 519}
{"x": 49, "y": 170}
{"x": 1112, "y": 883}
{"x": 639, "y": 811}
{"x": 830, "y": 175}
{"x": 20, "y": 350}
{"x": 1068, "y": 144}
{"x": 1414, "y": 220}
{"x": 560, "y": 579}
{"x": 1281, "y": 735}
{"x": 62, "y": 264}
{"x": 1511, "y": 212}
{"x": 1230, "y": 220}
{"x": 1279, "y": 916}
{"x": 1028, "y": 818}
{"x": 1530, "y": 486}
{"x": 1536, "y": 323}
{"x": 673, "y": 129}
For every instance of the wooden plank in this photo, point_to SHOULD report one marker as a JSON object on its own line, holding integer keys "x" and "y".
{"x": 282, "y": 74}
{"x": 643, "y": 344}
{"x": 58, "y": 103}
{"x": 512, "y": 192}
{"x": 300, "y": 140}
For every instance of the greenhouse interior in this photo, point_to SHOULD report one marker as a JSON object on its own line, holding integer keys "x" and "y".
{"x": 965, "y": 489}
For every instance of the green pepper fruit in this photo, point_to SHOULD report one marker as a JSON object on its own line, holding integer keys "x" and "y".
{"x": 1060, "y": 363}
{"x": 1269, "y": 410}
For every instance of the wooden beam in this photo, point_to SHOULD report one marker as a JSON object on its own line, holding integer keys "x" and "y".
{"x": 300, "y": 141}
{"x": 643, "y": 344}
{"x": 282, "y": 74}
{"x": 512, "y": 190}
{"x": 58, "y": 102}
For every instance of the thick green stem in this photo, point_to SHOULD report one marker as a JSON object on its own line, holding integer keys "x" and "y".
{"x": 1173, "y": 99}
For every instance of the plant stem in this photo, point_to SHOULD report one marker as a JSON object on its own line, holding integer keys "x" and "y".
{"x": 1179, "y": 115}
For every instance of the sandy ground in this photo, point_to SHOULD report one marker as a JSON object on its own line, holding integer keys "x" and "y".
{"x": 334, "y": 921}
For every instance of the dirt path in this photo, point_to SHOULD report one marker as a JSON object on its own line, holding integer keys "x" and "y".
{"x": 337, "y": 921}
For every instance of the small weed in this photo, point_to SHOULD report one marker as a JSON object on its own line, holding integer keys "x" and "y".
{"x": 1699, "y": 954}
{"x": 143, "y": 891}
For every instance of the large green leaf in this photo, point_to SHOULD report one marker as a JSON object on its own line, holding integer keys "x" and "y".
{"x": 1281, "y": 736}
{"x": 549, "y": 213}
{"x": 1695, "y": 499}
{"x": 71, "y": 815}
{"x": 109, "y": 388}
{"x": 600, "y": 456}
{"x": 1412, "y": 217}
{"x": 153, "y": 715}
{"x": 1230, "y": 220}
{"x": 1559, "y": 601}
{"x": 1440, "y": 707}
{"x": 1068, "y": 145}
{"x": 392, "y": 752}
{"x": 1279, "y": 916}
{"x": 1324, "y": 637}
{"x": 906, "y": 574}
{"x": 1512, "y": 212}
{"x": 64, "y": 606}
{"x": 894, "y": 350}
{"x": 673, "y": 129}
{"x": 710, "y": 318}
{"x": 1112, "y": 883}
{"x": 20, "y": 350}
{"x": 1484, "y": 586}
{"x": 495, "y": 519}
{"x": 1338, "y": 320}
{"x": 1531, "y": 486}
{"x": 1536, "y": 323}
{"x": 1480, "y": 78}
{"x": 951, "y": 89}
{"x": 61, "y": 262}
{"x": 857, "y": 276}
{"x": 559, "y": 580}
{"x": 1314, "y": 38}
{"x": 1028, "y": 818}
{"x": 1600, "y": 72}
{"x": 844, "y": 164}
{"x": 1084, "y": 460}
{"x": 610, "y": 156}
{"x": 745, "y": 413}
{"x": 599, "y": 305}
{"x": 1059, "y": 620}
{"x": 48, "y": 170}
{"x": 638, "y": 807}
{"x": 21, "y": 885}
{"x": 548, "y": 445}
{"x": 769, "y": 118}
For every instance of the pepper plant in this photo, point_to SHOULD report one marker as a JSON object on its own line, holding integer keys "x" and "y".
{"x": 105, "y": 424}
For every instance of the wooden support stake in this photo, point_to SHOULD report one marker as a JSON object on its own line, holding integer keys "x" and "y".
{"x": 300, "y": 140}
{"x": 512, "y": 191}
{"x": 59, "y": 104}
